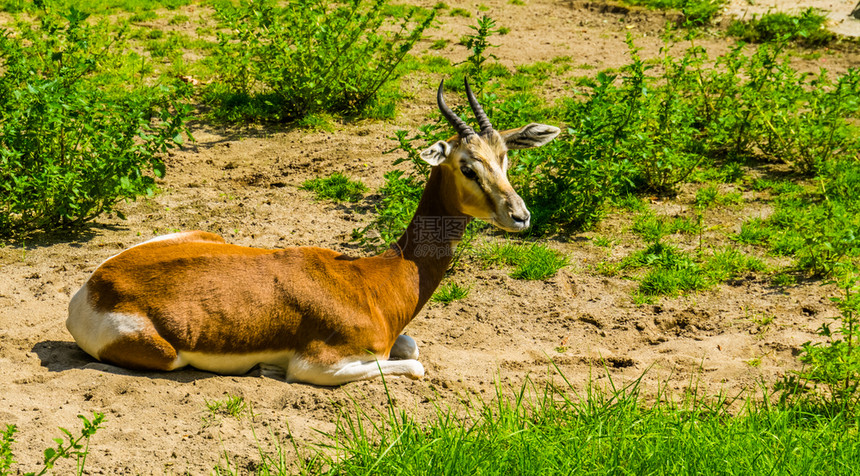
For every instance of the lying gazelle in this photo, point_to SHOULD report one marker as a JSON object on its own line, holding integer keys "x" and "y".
{"x": 324, "y": 318}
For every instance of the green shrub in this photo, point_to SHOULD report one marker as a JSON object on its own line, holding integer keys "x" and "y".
{"x": 284, "y": 62}
{"x": 401, "y": 192}
{"x": 807, "y": 28}
{"x": 696, "y": 12}
{"x": 75, "y": 137}
{"x": 337, "y": 187}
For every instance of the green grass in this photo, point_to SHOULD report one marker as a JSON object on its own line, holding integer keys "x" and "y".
{"x": 450, "y": 292}
{"x": 652, "y": 227}
{"x": 232, "y": 405}
{"x": 710, "y": 196}
{"x": 670, "y": 271}
{"x": 558, "y": 430}
{"x": 337, "y": 187}
{"x": 532, "y": 261}
{"x": 93, "y": 6}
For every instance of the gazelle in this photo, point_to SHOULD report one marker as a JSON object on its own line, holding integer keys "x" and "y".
{"x": 324, "y": 318}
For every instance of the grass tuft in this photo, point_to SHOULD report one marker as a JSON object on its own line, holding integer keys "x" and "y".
{"x": 450, "y": 292}
{"x": 555, "y": 429}
{"x": 337, "y": 187}
{"x": 532, "y": 261}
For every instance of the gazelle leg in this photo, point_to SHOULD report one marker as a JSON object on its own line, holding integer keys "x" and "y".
{"x": 301, "y": 370}
{"x": 404, "y": 348}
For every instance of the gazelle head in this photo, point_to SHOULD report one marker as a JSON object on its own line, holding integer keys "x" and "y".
{"x": 475, "y": 165}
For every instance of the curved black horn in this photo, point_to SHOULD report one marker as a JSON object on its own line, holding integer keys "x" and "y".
{"x": 463, "y": 129}
{"x": 480, "y": 115}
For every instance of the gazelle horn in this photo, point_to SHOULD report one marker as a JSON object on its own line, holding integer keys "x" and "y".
{"x": 483, "y": 120}
{"x": 463, "y": 129}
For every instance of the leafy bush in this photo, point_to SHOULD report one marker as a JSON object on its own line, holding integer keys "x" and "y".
{"x": 337, "y": 187}
{"x": 285, "y": 62}
{"x": 634, "y": 132}
{"x": 696, "y": 12}
{"x": 807, "y": 28}
{"x": 74, "y": 137}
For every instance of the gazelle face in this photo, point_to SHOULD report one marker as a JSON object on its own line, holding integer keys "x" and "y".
{"x": 476, "y": 166}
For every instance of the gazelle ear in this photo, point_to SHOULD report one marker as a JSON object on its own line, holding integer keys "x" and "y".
{"x": 436, "y": 153}
{"x": 530, "y": 136}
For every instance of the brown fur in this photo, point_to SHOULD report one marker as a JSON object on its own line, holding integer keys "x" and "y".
{"x": 202, "y": 295}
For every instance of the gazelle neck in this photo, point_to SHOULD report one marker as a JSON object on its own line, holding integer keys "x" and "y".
{"x": 432, "y": 236}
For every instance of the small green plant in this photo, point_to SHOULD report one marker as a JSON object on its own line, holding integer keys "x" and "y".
{"x": 439, "y": 44}
{"x": 460, "y": 12}
{"x": 178, "y": 19}
{"x": 72, "y": 446}
{"x": 653, "y": 228}
{"x": 336, "y": 187}
{"x": 478, "y": 43}
{"x": 783, "y": 280}
{"x": 602, "y": 241}
{"x": 450, "y": 292}
{"x": 232, "y": 405}
{"x": 753, "y": 232}
{"x": 835, "y": 363}
{"x": 7, "y": 458}
{"x": 709, "y": 196}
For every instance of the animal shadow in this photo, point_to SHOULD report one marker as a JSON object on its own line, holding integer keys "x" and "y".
{"x": 61, "y": 356}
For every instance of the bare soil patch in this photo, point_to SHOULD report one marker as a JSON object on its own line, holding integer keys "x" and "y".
{"x": 244, "y": 183}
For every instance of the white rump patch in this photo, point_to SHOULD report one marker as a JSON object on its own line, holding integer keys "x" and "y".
{"x": 93, "y": 330}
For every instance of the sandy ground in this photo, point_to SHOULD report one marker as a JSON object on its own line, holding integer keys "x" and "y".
{"x": 243, "y": 184}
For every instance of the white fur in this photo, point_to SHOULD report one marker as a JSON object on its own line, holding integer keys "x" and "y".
{"x": 297, "y": 369}
{"x": 233, "y": 364}
{"x": 436, "y": 153}
{"x": 350, "y": 370}
{"x": 93, "y": 330}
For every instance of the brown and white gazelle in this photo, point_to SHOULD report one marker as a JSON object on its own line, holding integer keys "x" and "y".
{"x": 324, "y": 318}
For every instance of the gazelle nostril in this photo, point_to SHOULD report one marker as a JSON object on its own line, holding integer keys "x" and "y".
{"x": 522, "y": 218}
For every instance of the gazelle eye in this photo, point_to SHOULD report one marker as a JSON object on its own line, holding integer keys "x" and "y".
{"x": 468, "y": 173}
